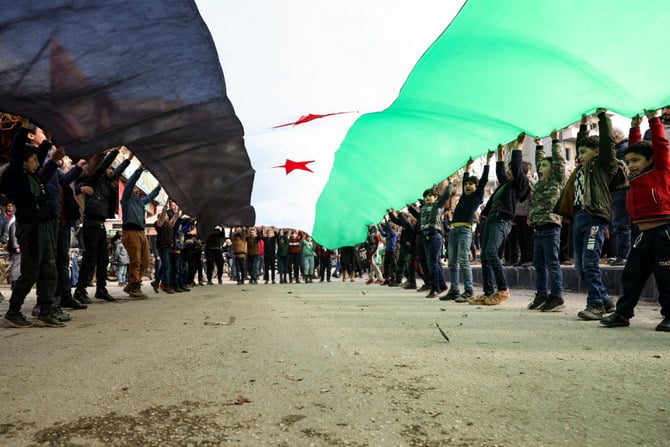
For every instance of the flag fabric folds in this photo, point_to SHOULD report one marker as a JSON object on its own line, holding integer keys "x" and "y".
{"x": 498, "y": 69}
{"x": 100, "y": 74}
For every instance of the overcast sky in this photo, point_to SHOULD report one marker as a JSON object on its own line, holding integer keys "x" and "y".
{"x": 285, "y": 59}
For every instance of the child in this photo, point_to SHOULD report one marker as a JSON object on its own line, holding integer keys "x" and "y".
{"x": 390, "y": 236}
{"x": 648, "y": 204}
{"x": 431, "y": 229}
{"x": 122, "y": 261}
{"x": 460, "y": 235}
{"x": 547, "y": 226}
{"x": 499, "y": 211}
{"x": 586, "y": 198}
{"x": 240, "y": 252}
{"x": 33, "y": 214}
{"x": 308, "y": 249}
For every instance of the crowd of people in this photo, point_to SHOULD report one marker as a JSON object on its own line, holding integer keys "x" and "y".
{"x": 618, "y": 187}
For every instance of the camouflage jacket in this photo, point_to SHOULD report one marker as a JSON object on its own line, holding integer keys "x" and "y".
{"x": 547, "y": 191}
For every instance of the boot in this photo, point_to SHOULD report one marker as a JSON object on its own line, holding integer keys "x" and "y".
{"x": 345, "y": 276}
{"x": 136, "y": 291}
{"x": 81, "y": 296}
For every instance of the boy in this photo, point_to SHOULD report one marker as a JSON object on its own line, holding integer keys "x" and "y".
{"x": 460, "y": 235}
{"x": 586, "y": 198}
{"x": 133, "y": 236}
{"x": 240, "y": 252}
{"x": 499, "y": 211}
{"x": 648, "y": 204}
{"x": 390, "y": 236}
{"x": 33, "y": 214}
{"x": 431, "y": 229}
{"x": 547, "y": 226}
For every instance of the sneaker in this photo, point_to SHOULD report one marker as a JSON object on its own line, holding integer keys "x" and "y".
{"x": 49, "y": 320}
{"x": 410, "y": 285}
{"x": 431, "y": 294}
{"x": 103, "y": 294}
{"x": 451, "y": 295}
{"x": 220, "y": 281}
{"x": 464, "y": 297}
{"x": 16, "y": 319}
{"x": 481, "y": 299}
{"x": 61, "y": 316}
{"x": 538, "y": 302}
{"x": 70, "y": 303}
{"x": 423, "y": 288}
{"x": 609, "y": 306}
{"x": 210, "y": 283}
{"x": 592, "y": 313}
{"x": 619, "y": 260}
{"x": 615, "y": 320}
{"x": 154, "y": 285}
{"x": 553, "y": 304}
{"x": 664, "y": 326}
{"x": 82, "y": 296}
{"x": 497, "y": 298}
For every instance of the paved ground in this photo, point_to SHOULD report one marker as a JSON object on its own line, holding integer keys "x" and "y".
{"x": 332, "y": 364}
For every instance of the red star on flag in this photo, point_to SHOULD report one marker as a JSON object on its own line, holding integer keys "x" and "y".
{"x": 291, "y": 165}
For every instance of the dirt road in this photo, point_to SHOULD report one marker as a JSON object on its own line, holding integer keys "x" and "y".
{"x": 333, "y": 364}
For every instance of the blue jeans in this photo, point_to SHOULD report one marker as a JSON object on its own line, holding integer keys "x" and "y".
{"x": 495, "y": 232}
{"x": 252, "y": 266}
{"x": 308, "y": 266}
{"x": 546, "y": 261}
{"x": 620, "y": 223}
{"x": 165, "y": 276}
{"x": 588, "y": 235}
{"x": 177, "y": 270}
{"x": 122, "y": 273}
{"x": 460, "y": 239}
{"x": 433, "y": 243}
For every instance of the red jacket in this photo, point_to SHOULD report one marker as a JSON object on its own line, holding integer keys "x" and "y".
{"x": 648, "y": 198}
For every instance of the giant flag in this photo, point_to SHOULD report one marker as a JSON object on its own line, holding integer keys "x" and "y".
{"x": 498, "y": 69}
{"x": 145, "y": 75}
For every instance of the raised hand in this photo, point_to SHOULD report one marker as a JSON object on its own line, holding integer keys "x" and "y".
{"x": 636, "y": 121}
{"x": 650, "y": 113}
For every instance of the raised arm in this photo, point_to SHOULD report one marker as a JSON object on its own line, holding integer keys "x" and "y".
{"x": 557, "y": 158}
{"x": 659, "y": 141}
{"x": 607, "y": 154}
{"x": 634, "y": 134}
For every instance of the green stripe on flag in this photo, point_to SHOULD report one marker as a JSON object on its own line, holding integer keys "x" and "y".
{"x": 498, "y": 69}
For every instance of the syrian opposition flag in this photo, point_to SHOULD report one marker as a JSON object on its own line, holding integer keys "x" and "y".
{"x": 106, "y": 73}
{"x": 496, "y": 70}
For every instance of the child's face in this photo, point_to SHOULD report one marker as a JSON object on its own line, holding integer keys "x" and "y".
{"x": 637, "y": 163}
{"x": 469, "y": 188}
{"x": 430, "y": 198}
{"x": 31, "y": 164}
{"x": 586, "y": 154}
{"x": 544, "y": 171}
{"x": 38, "y": 137}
